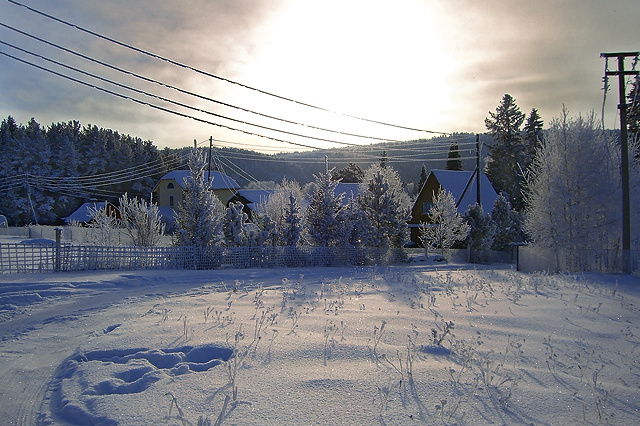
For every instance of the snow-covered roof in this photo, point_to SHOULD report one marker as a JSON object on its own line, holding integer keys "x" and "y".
{"x": 83, "y": 214}
{"x": 349, "y": 190}
{"x": 456, "y": 181}
{"x": 218, "y": 180}
{"x": 253, "y": 197}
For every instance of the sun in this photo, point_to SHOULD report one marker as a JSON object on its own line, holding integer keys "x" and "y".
{"x": 372, "y": 59}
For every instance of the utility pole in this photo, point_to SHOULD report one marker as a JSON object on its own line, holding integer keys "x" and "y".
{"x": 478, "y": 172}
{"x": 626, "y": 209}
{"x": 210, "y": 147}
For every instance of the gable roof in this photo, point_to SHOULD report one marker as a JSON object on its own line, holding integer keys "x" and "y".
{"x": 252, "y": 197}
{"x": 218, "y": 180}
{"x": 83, "y": 213}
{"x": 456, "y": 181}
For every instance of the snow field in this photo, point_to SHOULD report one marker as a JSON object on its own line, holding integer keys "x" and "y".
{"x": 322, "y": 346}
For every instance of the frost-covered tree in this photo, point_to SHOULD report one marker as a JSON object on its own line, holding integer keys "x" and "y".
{"x": 508, "y": 224}
{"x": 141, "y": 221}
{"x": 481, "y": 228}
{"x": 234, "y": 226}
{"x": 386, "y": 206}
{"x": 292, "y": 222}
{"x": 446, "y": 226}
{"x": 357, "y": 227}
{"x": 275, "y": 206}
{"x": 199, "y": 218}
{"x": 104, "y": 224}
{"x": 574, "y": 190}
{"x": 324, "y": 218}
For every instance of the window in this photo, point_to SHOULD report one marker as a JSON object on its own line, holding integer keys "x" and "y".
{"x": 170, "y": 185}
{"x": 171, "y": 200}
{"x": 426, "y": 206}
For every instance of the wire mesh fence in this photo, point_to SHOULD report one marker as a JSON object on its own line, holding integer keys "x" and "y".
{"x": 532, "y": 258}
{"x": 33, "y": 258}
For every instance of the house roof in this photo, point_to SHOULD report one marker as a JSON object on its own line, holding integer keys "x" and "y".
{"x": 84, "y": 213}
{"x": 456, "y": 181}
{"x": 350, "y": 190}
{"x": 218, "y": 180}
{"x": 253, "y": 197}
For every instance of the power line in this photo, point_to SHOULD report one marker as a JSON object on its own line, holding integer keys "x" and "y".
{"x": 152, "y": 105}
{"x": 178, "y": 89}
{"x": 208, "y": 74}
{"x": 163, "y": 99}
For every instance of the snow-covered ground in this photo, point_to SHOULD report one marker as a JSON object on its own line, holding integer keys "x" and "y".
{"x": 409, "y": 344}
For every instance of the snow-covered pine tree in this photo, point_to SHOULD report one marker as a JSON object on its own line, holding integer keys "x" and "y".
{"x": 324, "y": 218}
{"x": 482, "y": 229}
{"x": 386, "y": 206}
{"x": 446, "y": 225}
{"x": 234, "y": 224}
{"x": 141, "y": 221}
{"x": 508, "y": 224}
{"x": 292, "y": 222}
{"x": 199, "y": 218}
{"x": 357, "y": 225}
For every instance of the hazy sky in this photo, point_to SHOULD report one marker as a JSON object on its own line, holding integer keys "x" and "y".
{"x": 438, "y": 65}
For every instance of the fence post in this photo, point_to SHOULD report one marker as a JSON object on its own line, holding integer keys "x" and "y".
{"x": 58, "y": 248}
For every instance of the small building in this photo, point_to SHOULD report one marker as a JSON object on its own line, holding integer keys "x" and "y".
{"x": 84, "y": 214}
{"x": 461, "y": 184}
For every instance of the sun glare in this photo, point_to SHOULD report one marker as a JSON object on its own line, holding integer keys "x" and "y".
{"x": 375, "y": 59}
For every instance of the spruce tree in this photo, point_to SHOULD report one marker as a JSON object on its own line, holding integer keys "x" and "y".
{"x": 292, "y": 222}
{"x": 507, "y": 155}
{"x": 453, "y": 159}
{"x": 199, "y": 219}
{"x": 324, "y": 218}
{"x": 482, "y": 228}
{"x": 508, "y": 224}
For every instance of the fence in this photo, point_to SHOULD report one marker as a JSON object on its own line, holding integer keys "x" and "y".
{"x": 532, "y": 258}
{"x": 23, "y": 258}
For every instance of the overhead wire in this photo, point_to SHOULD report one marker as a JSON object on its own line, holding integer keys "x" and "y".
{"x": 163, "y": 99}
{"x": 152, "y": 105}
{"x": 187, "y": 92}
{"x": 208, "y": 74}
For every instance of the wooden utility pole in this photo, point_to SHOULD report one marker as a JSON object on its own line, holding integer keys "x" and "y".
{"x": 626, "y": 208}
{"x": 479, "y": 173}
{"x": 210, "y": 147}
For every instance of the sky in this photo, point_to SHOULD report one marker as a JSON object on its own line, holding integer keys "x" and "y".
{"x": 433, "y": 66}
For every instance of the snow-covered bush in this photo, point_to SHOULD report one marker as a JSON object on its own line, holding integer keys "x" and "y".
{"x": 234, "y": 226}
{"x": 141, "y": 221}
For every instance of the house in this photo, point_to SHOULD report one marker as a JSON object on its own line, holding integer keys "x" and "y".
{"x": 169, "y": 191}
{"x": 84, "y": 214}
{"x": 251, "y": 199}
{"x": 461, "y": 184}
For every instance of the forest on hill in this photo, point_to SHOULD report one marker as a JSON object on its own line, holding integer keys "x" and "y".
{"x": 47, "y": 172}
